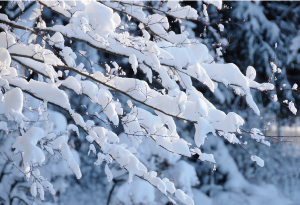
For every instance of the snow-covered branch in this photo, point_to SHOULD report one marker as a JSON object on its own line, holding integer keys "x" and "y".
{"x": 43, "y": 65}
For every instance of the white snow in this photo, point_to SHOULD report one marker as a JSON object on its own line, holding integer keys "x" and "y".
{"x": 175, "y": 61}
{"x": 258, "y": 160}
{"x": 221, "y": 27}
{"x": 27, "y": 145}
{"x": 295, "y": 86}
{"x": 134, "y": 63}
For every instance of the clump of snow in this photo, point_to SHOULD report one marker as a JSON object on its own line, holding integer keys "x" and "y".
{"x": 202, "y": 128}
{"x": 26, "y": 144}
{"x": 183, "y": 197}
{"x": 11, "y": 105}
{"x": 5, "y": 58}
{"x": 275, "y": 98}
{"x": 69, "y": 56}
{"x": 92, "y": 148}
{"x": 61, "y": 143}
{"x": 295, "y": 86}
{"x": 207, "y": 158}
{"x": 221, "y": 27}
{"x": 101, "y": 18}
{"x": 292, "y": 108}
{"x": 108, "y": 173}
{"x": 274, "y": 67}
{"x": 219, "y": 51}
{"x": 258, "y": 136}
{"x": 216, "y": 3}
{"x": 3, "y": 126}
{"x": 251, "y": 72}
{"x": 57, "y": 40}
{"x": 258, "y": 160}
{"x": 134, "y": 63}
{"x": 33, "y": 189}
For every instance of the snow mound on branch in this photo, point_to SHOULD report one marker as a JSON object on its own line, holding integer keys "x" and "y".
{"x": 183, "y": 197}
{"x": 258, "y": 160}
{"x": 53, "y": 94}
{"x": 216, "y": 3}
{"x": 182, "y": 12}
{"x": 231, "y": 74}
{"x": 202, "y": 128}
{"x": 134, "y": 63}
{"x": 5, "y": 58}
{"x": 61, "y": 143}
{"x": 6, "y": 40}
{"x": 69, "y": 56}
{"x": 251, "y": 72}
{"x": 78, "y": 5}
{"x": 27, "y": 145}
{"x": 58, "y": 40}
{"x": 67, "y": 8}
{"x": 11, "y": 105}
{"x": 102, "y": 19}
{"x": 105, "y": 99}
